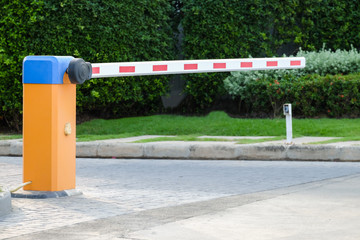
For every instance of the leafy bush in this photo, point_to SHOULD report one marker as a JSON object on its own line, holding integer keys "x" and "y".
{"x": 311, "y": 96}
{"x": 329, "y": 62}
{"x": 304, "y": 87}
{"x": 322, "y": 62}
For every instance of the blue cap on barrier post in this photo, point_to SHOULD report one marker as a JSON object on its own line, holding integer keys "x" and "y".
{"x": 45, "y": 69}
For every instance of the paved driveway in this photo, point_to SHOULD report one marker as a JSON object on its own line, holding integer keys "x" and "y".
{"x": 114, "y": 187}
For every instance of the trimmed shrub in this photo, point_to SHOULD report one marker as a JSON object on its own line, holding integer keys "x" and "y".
{"x": 97, "y": 31}
{"x": 310, "y": 95}
{"x": 322, "y": 62}
{"x": 304, "y": 87}
{"x": 326, "y": 62}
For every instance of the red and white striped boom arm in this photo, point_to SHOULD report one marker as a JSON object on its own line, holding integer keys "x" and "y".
{"x": 102, "y": 70}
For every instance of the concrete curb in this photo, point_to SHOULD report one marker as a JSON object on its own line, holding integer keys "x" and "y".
{"x": 11, "y": 148}
{"x": 203, "y": 150}
{"x": 218, "y": 150}
{"x": 5, "y": 202}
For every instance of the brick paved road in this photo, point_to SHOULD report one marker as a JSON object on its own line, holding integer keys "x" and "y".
{"x": 113, "y": 187}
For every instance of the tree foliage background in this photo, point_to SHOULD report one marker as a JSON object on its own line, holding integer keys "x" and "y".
{"x": 143, "y": 30}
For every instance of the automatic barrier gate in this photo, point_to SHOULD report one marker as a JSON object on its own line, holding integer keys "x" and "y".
{"x": 49, "y": 110}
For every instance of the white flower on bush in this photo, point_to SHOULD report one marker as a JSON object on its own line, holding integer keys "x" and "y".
{"x": 323, "y": 62}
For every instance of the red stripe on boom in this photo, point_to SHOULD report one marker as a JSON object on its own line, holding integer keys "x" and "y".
{"x": 219, "y": 65}
{"x": 127, "y": 69}
{"x": 157, "y": 68}
{"x": 190, "y": 66}
{"x": 96, "y": 70}
{"x": 295, "y": 63}
{"x": 271, "y": 63}
{"x": 246, "y": 64}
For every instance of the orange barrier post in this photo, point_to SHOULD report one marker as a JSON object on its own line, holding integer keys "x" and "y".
{"x": 49, "y": 124}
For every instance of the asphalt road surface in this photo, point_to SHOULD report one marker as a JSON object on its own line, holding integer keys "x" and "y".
{"x": 119, "y": 187}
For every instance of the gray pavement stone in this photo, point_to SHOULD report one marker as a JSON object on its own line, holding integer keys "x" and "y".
{"x": 261, "y": 152}
{"x": 349, "y": 153}
{"x": 115, "y": 187}
{"x": 5, "y": 202}
{"x": 299, "y": 210}
{"x": 319, "y": 152}
{"x": 165, "y": 149}
{"x": 16, "y": 148}
{"x": 4, "y": 148}
{"x": 11, "y": 147}
{"x": 214, "y": 150}
{"x": 125, "y": 150}
{"x": 84, "y": 149}
{"x": 330, "y": 211}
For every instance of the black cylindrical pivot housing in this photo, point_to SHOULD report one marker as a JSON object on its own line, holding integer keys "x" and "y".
{"x": 79, "y": 71}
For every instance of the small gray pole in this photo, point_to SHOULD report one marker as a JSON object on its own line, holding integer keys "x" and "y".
{"x": 288, "y": 114}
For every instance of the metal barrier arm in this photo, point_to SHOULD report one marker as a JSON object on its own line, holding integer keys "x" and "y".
{"x": 121, "y": 69}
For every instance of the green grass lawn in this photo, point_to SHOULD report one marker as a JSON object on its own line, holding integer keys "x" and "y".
{"x": 215, "y": 124}
{"x": 8, "y": 137}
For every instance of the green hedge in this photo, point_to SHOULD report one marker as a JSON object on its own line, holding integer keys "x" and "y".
{"x": 97, "y": 31}
{"x": 17, "y": 23}
{"x": 311, "y": 96}
{"x": 104, "y": 31}
{"x": 237, "y": 29}
{"x": 223, "y": 29}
